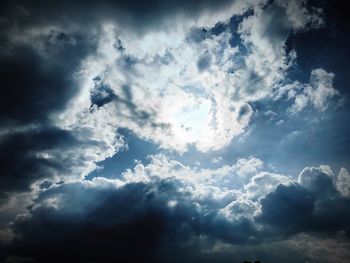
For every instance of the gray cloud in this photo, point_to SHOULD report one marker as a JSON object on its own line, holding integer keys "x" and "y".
{"x": 313, "y": 205}
{"x": 37, "y": 80}
{"x": 33, "y": 84}
{"x": 140, "y": 221}
{"x": 137, "y": 15}
{"x": 20, "y": 166}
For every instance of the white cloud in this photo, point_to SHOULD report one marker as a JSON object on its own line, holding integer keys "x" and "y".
{"x": 291, "y": 137}
{"x": 343, "y": 182}
{"x": 246, "y": 168}
{"x": 309, "y": 174}
{"x": 164, "y": 96}
{"x": 172, "y": 103}
{"x": 318, "y": 180}
{"x": 299, "y": 16}
{"x": 321, "y": 88}
{"x": 239, "y": 209}
{"x": 317, "y": 93}
{"x": 223, "y": 186}
{"x": 215, "y": 184}
{"x": 263, "y": 183}
{"x": 217, "y": 159}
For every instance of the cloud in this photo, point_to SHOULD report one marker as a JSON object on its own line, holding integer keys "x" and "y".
{"x": 36, "y": 84}
{"x": 39, "y": 79}
{"x": 291, "y": 137}
{"x": 36, "y": 155}
{"x": 301, "y": 16}
{"x": 98, "y": 211}
{"x": 104, "y": 218}
{"x": 323, "y": 249}
{"x": 174, "y": 211}
{"x": 311, "y": 205}
{"x": 318, "y": 93}
{"x": 287, "y": 208}
{"x": 217, "y": 159}
{"x": 104, "y": 78}
{"x": 197, "y": 91}
{"x": 135, "y": 16}
{"x": 189, "y": 78}
{"x": 265, "y": 34}
{"x": 181, "y": 104}
{"x": 249, "y": 167}
{"x": 45, "y": 61}
{"x": 318, "y": 180}
{"x": 106, "y": 75}
{"x": 343, "y": 182}
{"x": 263, "y": 183}
{"x": 21, "y": 155}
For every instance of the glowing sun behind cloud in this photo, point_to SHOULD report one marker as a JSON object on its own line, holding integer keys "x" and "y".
{"x": 192, "y": 123}
{"x": 167, "y": 97}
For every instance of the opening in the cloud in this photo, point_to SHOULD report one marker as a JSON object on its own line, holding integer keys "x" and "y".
{"x": 191, "y": 123}
{"x": 135, "y": 149}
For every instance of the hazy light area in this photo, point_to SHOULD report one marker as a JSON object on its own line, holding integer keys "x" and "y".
{"x": 192, "y": 123}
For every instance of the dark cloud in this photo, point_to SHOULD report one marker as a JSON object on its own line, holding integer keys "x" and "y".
{"x": 204, "y": 62}
{"x": 20, "y": 164}
{"x": 37, "y": 79}
{"x": 314, "y": 206}
{"x": 33, "y": 85}
{"x": 138, "y": 15}
{"x": 287, "y": 209}
{"x": 99, "y": 223}
{"x": 133, "y": 223}
{"x": 101, "y": 95}
{"x": 318, "y": 182}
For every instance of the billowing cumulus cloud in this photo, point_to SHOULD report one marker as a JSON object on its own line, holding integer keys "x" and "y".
{"x": 158, "y": 84}
{"x": 318, "y": 93}
{"x": 167, "y": 209}
{"x": 312, "y": 205}
{"x": 171, "y": 131}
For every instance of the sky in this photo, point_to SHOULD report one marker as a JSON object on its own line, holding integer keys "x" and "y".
{"x": 174, "y": 131}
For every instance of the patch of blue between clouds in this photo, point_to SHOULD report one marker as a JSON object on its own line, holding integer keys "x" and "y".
{"x": 137, "y": 150}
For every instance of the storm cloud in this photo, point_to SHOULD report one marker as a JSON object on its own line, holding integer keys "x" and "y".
{"x": 104, "y": 220}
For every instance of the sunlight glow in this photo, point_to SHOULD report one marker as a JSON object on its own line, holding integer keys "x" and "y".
{"x": 193, "y": 122}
